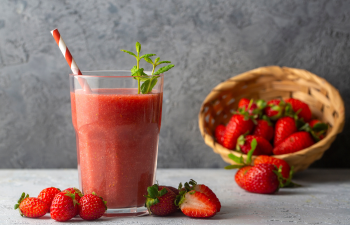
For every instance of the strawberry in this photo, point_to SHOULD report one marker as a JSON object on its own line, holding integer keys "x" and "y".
{"x": 284, "y": 128}
{"x": 31, "y": 207}
{"x": 264, "y": 128}
{"x": 262, "y": 179}
{"x": 301, "y": 108}
{"x": 240, "y": 176}
{"x": 263, "y": 146}
{"x": 207, "y": 191}
{"x": 294, "y": 143}
{"x": 274, "y": 161}
{"x": 274, "y": 109}
{"x": 219, "y": 133}
{"x": 243, "y": 102}
{"x": 91, "y": 207}
{"x": 77, "y": 194}
{"x": 160, "y": 200}
{"x": 318, "y": 129}
{"x": 63, "y": 206}
{"x": 252, "y": 108}
{"x": 238, "y": 125}
{"x": 194, "y": 203}
{"x": 175, "y": 190}
{"x": 48, "y": 194}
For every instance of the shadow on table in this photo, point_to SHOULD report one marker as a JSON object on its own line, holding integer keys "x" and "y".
{"x": 316, "y": 176}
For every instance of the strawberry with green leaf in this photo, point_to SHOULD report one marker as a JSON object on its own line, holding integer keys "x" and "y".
{"x": 263, "y": 147}
{"x": 316, "y": 128}
{"x": 275, "y": 109}
{"x": 160, "y": 200}
{"x": 138, "y": 73}
{"x": 263, "y": 178}
{"x": 31, "y": 207}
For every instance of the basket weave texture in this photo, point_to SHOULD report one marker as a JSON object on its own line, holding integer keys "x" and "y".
{"x": 270, "y": 83}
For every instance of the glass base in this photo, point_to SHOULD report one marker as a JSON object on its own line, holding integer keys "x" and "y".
{"x": 135, "y": 211}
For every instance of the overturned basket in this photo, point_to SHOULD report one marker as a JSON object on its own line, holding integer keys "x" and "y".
{"x": 269, "y": 83}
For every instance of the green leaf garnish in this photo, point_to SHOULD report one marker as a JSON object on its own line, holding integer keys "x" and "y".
{"x": 139, "y": 75}
{"x": 164, "y": 69}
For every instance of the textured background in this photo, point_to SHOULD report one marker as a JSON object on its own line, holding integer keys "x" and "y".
{"x": 208, "y": 41}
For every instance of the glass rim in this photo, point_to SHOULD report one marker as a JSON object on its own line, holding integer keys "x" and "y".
{"x": 112, "y": 71}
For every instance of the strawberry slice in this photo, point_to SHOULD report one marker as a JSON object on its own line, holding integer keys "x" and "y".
{"x": 197, "y": 204}
{"x": 209, "y": 193}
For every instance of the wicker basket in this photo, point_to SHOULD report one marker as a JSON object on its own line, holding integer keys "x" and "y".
{"x": 268, "y": 83}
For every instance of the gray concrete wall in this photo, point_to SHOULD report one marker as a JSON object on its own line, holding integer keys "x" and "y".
{"x": 208, "y": 41}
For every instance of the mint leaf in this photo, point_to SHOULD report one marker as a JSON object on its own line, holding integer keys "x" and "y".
{"x": 163, "y": 62}
{"x": 229, "y": 167}
{"x": 138, "y": 47}
{"x": 236, "y": 159}
{"x": 148, "y": 60}
{"x": 164, "y": 69}
{"x": 148, "y": 85}
{"x": 131, "y": 53}
{"x": 147, "y": 55}
{"x": 156, "y": 60}
{"x": 133, "y": 69}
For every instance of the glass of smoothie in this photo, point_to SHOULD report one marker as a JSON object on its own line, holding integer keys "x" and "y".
{"x": 117, "y": 132}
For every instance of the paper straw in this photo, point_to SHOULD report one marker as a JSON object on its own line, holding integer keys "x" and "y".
{"x": 69, "y": 58}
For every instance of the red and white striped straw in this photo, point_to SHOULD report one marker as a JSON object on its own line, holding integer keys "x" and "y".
{"x": 71, "y": 62}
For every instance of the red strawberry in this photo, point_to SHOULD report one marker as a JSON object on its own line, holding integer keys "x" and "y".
{"x": 160, "y": 200}
{"x": 31, "y": 207}
{"x": 77, "y": 194}
{"x": 91, "y": 207}
{"x": 175, "y": 190}
{"x": 196, "y": 204}
{"x": 263, "y": 146}
{"x": 238, "y": 125}
{"x": 294, "y": 143}
{"x": 301, "y": 108}
{"x": 284, "y": 128}
{"x": 274, "y": 109}
{"x": 47, "y": 195}
{"x": 318, "y": 129}
{"x": 63, "y": 206}
{"x": 243, "y": 102}
{"x": 274, "y": 161}
{"x": 262, "y": 179}
{"x": 240, "y": 176}
{"x": 208, "y": 192}
{"x": 264, "y": 128}
{"x": 219, "y": 133}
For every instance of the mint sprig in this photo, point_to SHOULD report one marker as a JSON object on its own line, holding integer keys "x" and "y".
{"x": 138, "y": 73}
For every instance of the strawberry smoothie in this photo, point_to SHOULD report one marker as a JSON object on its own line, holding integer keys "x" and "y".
{"x": 117, "y": 143}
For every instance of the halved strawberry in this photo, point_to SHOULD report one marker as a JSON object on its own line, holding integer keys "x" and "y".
{"x": 238, "y": 125}
{"x": 219, "y": 133}
{"x": 194, "y": 203}
{"x": 294, "y": 143}
{"x": 208, "y": 192}
{"x": 263, "y": 146}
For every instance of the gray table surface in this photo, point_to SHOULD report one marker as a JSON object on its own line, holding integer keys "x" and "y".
{"x": 323, "y": 199}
